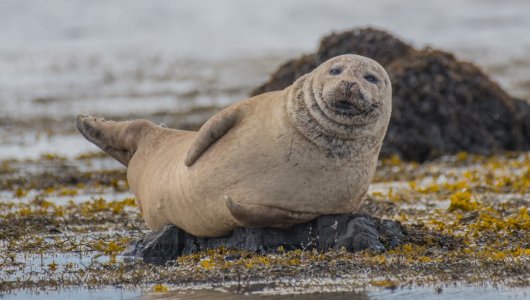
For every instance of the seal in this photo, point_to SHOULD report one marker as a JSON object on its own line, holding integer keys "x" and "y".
{"x": 274, "y": 160}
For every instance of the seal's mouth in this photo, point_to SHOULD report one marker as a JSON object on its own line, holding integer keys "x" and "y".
{"x": 346, "y": 107}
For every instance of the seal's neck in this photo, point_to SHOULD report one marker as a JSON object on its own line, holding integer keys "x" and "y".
{"x": 338, "y": 140}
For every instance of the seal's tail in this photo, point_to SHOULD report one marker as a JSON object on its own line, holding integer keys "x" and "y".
{"x": 118, "y": 139}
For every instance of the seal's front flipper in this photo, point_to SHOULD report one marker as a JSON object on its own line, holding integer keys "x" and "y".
{"x": 210, "y": 132}
{"x": 118, "y": 139}
{"x": 253, "y": 215}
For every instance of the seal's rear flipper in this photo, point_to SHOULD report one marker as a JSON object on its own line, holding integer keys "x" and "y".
{"x": 249, "y": 215}
{"x": 118, "y": 139}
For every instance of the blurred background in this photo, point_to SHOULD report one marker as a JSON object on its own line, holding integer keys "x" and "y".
{"x": 178, "y": 62}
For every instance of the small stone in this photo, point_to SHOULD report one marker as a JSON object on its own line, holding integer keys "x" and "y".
{"x": 232, "y": 257}
{"x": 469, "y": 217}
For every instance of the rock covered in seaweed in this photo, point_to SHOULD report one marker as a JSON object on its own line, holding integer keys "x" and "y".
{"x": 440, "y": 105}
{"x": 352, "y": 231}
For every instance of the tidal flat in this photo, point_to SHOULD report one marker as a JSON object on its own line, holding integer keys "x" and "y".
{"x": 66, "y": 221}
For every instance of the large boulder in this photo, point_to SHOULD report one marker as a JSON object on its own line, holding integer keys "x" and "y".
{"x": 441, "y": 105}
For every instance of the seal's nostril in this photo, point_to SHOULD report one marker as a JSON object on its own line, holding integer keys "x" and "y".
{"x": 348, "y": 85}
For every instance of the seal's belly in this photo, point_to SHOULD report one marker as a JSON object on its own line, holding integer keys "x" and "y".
{"x": 282, "y": 170}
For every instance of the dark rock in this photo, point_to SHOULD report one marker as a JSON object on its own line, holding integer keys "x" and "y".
{"x": 440, "y": 105}
{"x": 354, "y": 232}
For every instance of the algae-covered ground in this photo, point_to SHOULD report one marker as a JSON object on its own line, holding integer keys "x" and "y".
{"x": 64, "y": 223}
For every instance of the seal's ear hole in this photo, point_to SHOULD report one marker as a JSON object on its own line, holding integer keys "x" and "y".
{"x": 371, "y": 78}
{"x": 335, "y": 71}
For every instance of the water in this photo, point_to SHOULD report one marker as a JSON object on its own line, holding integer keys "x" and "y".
{"x": 468, "y": 293}
{"x": 58, "y": 58}
{"x": 78, "y": 294}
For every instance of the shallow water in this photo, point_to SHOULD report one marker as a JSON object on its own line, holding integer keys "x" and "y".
{"x": 442, "y": 293}
{"x": 78, "y": 294}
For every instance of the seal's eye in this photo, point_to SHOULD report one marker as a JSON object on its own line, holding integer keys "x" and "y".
{"x": 371, "y": 79}
{"x": 335, "y": 71}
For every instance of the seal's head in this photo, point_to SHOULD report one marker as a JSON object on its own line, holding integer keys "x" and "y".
{"x": 352, "y": 89}
{"x": 344, "y": 105}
